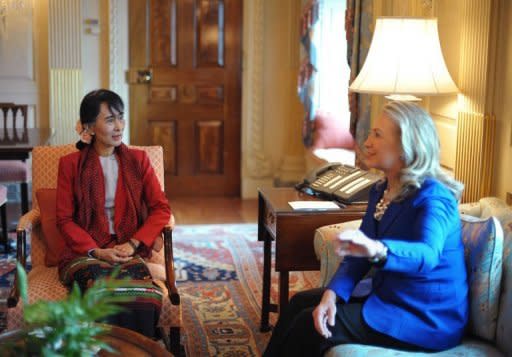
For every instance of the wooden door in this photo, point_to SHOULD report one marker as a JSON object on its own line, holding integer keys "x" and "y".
{"x": 191, "y": 106}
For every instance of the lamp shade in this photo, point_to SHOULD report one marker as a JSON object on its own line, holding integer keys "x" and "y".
{"x": 404, "y": 58}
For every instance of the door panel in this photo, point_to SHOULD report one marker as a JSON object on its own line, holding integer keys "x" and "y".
{"x": 192, "y": 105}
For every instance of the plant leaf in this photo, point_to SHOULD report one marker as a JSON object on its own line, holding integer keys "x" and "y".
{"x": 22, "y": 283}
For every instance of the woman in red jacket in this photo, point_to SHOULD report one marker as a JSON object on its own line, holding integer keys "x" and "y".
{"x": 110, "y": 209}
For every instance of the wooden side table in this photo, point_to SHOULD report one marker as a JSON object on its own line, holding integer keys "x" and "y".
{"x": 293, "y": 233}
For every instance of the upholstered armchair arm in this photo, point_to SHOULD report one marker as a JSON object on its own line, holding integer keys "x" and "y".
{"x": 325, "y": 248}
{"x": 169, "y": 263}
{"x": 29, "y": 220}
{"x": 25, "y": 224}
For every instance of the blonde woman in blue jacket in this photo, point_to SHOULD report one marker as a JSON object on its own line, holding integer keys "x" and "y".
{"x": 411, "y": 233}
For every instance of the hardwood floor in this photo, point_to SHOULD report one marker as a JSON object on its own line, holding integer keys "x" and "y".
{"x": 211, "y": 210}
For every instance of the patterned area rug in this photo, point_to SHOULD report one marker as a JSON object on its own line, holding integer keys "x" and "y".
{"x": 220, "y": 271}
{"x": 7, "y": 269}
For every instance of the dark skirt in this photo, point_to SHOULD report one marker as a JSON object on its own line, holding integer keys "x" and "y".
{"x": 141, "y": 313}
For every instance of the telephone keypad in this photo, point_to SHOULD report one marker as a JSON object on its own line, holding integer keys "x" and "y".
{"x": 344, "y": 183}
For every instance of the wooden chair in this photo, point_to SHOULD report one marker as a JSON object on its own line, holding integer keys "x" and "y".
{"x": 43, "y": 281}
{"x": 14, "y": 131}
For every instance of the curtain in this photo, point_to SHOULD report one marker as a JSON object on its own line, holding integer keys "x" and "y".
{"x": 333, "y": 72}
{"x": 307, "y": 71}
{"x": 358, "y": 29}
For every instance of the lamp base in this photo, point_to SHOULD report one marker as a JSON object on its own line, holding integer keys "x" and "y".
{"x": 403, "y": 98}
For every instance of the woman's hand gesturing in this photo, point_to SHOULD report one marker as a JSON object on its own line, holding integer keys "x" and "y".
{"x": 355, "y": 243}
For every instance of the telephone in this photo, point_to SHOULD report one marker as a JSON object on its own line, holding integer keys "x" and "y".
{"x": 343, "y": 183}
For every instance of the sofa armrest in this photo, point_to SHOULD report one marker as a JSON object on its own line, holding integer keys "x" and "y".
{"x": 324, "y": 248}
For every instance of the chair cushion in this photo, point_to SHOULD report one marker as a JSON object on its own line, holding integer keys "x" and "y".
{"x": 468, "y": 348}
{"x": 14, "y": 171}
{"x": 331, "y": 132}
{"x": 55, "y": 243}
{"x": 483, "y": 247}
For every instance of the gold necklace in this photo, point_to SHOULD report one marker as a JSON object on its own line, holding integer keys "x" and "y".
{"x": 381, "y": 207}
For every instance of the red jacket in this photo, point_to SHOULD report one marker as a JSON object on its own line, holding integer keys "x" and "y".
{"x": 77, "y": 239}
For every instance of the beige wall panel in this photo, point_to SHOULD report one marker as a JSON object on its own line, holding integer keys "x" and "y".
{"x": 66, "y": 89}
{"x": 448, "y": 17}
{"x": 41, "y": 62}
{"x": 447, "y": 131}
{"x": 503, "y": 107}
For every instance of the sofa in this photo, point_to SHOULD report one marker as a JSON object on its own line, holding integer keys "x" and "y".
{"x": 487, "y": 236}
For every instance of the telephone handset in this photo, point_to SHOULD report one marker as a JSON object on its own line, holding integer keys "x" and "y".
{"x": 344, "y": 183}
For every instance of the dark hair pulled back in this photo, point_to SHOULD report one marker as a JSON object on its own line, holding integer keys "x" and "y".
{"x": 91, "y": 105}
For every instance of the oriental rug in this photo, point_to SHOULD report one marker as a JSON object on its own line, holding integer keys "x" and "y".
{"x": 219, "y": 268}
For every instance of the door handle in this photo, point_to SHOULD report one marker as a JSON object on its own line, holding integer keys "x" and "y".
{"x": 139, "y": 75}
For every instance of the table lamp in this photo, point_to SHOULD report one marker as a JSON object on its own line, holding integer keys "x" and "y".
{"x": 404, "y": 60}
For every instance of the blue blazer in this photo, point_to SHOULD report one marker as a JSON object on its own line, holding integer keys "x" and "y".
{"x": 420, "y": 295}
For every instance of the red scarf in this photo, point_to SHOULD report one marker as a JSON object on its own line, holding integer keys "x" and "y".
{"x": 90, "y": 196}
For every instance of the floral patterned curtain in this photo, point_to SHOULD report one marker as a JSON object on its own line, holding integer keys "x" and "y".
{"x": 308, "y": 68}
{"x": 358, "y": 29}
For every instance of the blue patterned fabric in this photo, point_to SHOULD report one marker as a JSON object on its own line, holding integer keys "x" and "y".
{"x": 499, "y": 209}
{"x": 483, "y": 248}
{"x": 469, "y": 348}
{"x": 504, "y": 327}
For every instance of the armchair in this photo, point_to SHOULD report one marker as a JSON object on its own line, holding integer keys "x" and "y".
{"x": 43, "y": 279}
{"x": 496, "y": 215}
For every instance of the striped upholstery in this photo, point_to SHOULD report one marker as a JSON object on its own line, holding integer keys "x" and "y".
{"x": 43, "y": 281}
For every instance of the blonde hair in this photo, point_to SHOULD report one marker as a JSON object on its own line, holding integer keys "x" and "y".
{"x": 420, "y": 145}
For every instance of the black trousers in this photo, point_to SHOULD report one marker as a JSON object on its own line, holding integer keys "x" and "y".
{"x": 295, "y": 333}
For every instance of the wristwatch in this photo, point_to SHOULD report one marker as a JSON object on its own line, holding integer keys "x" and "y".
{"x": 90, "y": 253}
{"x": 133, "y": 245}
{"x": 380, "y": 258}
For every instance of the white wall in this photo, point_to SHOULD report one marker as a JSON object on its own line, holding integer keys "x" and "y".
{"x": 17, "y": 80}
{"x": 91, "y": 45}
{"x": 118, "y": 55}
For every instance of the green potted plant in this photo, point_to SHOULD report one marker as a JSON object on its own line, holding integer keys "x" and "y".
{"x": 68, "y": 327}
